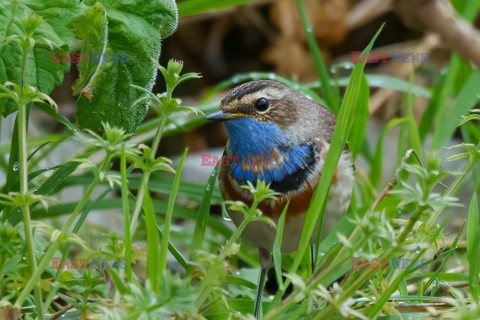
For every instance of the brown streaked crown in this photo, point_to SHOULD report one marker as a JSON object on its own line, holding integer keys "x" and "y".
{"x": 283, "y": 102}
{"x": 302, "y": 117}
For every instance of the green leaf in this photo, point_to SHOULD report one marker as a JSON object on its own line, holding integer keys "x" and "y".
{"x": 337, "y": 145}
{"x": 153, "y": 240}
{"x": 475, "y": 267}
{"x": 388, "y": 82}
{"x": 191, "y": 7}
{"x": 56, "y": 210}
{"x": 472, "y": 225}
{"x": 376, "y": 166}
{"x": 177, "y": 254}
{"x": 13, "y": 162}
{"x": 277, "y": 246}
{"x": 57, "y": 116}
{"x": 361, "y": 118}
{"x": 204, "y": 211}
{"x": 92, "y": 30}
{"x": 61, "y": 173}
{"x": 55, "y": 27}
{"x": 466, "y": 100}
{"x": 169, "y": 214}
{"x": 135, "y": 31}
{"x": 240, "y": 281}
{"x": 433, "y": 105}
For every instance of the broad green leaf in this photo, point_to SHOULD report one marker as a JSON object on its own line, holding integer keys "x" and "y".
{"x": 135, "y": 32}
{"x": 55, "y": 27}
{"x": 92, "y": 30}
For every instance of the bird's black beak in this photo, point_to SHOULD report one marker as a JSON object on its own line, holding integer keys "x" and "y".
{"x": 219, "y": 116}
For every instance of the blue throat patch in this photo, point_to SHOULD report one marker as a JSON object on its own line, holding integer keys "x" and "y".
{"x": 249, "y": 138}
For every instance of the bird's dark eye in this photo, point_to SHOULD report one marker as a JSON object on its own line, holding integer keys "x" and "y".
{"x": 261, "y": 104}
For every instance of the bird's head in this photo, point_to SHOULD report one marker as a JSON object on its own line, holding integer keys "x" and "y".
{"x": 263, "y": 101}
{"x": 265, "y": 113}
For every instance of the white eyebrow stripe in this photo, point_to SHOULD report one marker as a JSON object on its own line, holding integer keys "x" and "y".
{"x": 269, "y": 93}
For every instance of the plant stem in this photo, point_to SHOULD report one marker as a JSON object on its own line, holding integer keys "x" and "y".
{"x": 169, "y": 213}
{"x": 159, "y": 134}
{"x": 23, "y": 156}
{"x": 138, "y": 203}
{"x": 54, "y": 246}
{"x": 146, "y": 177}
{"x": 453, "y": 188}
{"x": 212, "y": 273}
{"x": 126, "y": 213}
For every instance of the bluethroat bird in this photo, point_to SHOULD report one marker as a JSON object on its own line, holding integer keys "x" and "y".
{"x": 291, "y": 135}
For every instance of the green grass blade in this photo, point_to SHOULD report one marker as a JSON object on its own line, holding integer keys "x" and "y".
{"x": 118, "y": 281}
{"x": 466, "y": 100}
{"x": 447, "y": 254}
{"x": 413, "y": 134}
{"x": 376, "y": 165}
{"x": 183, "y": 212}
{"x": 337, "y": 145}
{"x": 204, "y": 211}
{"x": 475, "y": 268}
{"x": 356, "y": 139}
{"x": 153, "y": 239}
{"x": 277, "y": 246}
{"x": 57, "y": 116}
{"x": 345, "y": 227}
{"x": 240, "y": 281}
{"x": 387, "y": 82}
{"x": 402, "y": 142}
{"x": 169, "y": 214}
{"x": 192, "y": 7}
{"x": 429, "y": 114}
{"x": 447, "y": 91}
{"x": 12, "y": 174}
{"x": 61, "y": 173}
{"x": 177, "y": 254}
{"x": 472, "y": 225}
{"x": 331, "y": 96}
{"x": 126, "y": 213}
